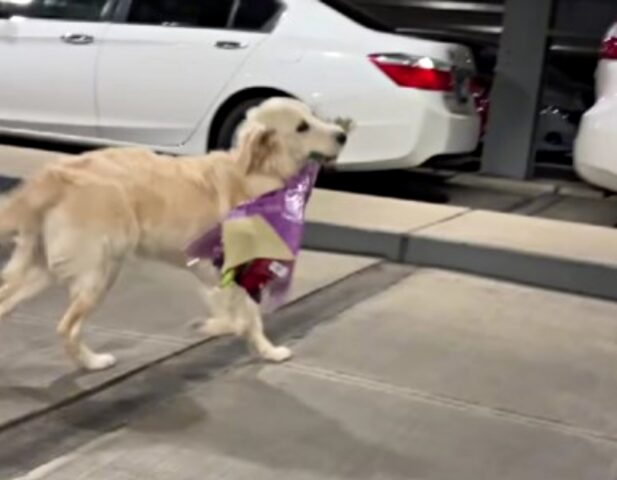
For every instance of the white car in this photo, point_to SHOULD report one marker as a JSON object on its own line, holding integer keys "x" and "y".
{"x": 595, "y": 152}
{"x": 178, "y": 75}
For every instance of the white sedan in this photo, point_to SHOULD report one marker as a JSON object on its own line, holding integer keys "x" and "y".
{"x": 178, "y": 75}
{"x": 595, "y": 153}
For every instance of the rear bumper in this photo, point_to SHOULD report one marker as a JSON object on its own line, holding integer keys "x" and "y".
{"x": 406, "y": 130}
{"x": 598, "y": 177}
{"x": 595, "y": 150}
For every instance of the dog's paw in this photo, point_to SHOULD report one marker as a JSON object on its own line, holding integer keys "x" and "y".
{"x": 99, "y": 361}
{"x": 277, "y": 354}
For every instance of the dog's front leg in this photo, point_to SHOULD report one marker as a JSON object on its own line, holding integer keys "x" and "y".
{"x": 233, "y": 312}
{"x": 248, "y": 316}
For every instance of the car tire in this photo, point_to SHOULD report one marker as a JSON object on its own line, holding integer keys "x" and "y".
{"x": 232, "y": 121}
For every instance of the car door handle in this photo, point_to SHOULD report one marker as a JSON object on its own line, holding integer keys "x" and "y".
{"x": 230, "y": 45}
{"x": 77, "y": 38}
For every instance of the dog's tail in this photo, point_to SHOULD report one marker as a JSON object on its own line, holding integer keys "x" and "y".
{"x": 22, "y": 210}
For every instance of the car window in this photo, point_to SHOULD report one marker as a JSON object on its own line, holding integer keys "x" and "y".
{"x": 353, "y": 12}
{"x": 85, "y": 10}
{"x": 255, "y": 14}
{"x": 181, "y": 13}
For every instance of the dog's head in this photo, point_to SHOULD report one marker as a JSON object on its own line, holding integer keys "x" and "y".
{"x": 280, "y": 135}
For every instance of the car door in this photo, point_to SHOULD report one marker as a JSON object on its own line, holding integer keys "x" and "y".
{"x": 48, "y": 53}
{"x": 162, "y": 68}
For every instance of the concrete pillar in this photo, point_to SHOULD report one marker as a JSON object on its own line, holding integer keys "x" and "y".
{"x": 509, "y": 145}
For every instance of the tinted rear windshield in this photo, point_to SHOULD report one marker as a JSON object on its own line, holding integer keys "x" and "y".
{"x": 357, "y": 15}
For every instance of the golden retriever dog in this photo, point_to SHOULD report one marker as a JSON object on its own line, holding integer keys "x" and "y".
{"x": 78, "y": 220}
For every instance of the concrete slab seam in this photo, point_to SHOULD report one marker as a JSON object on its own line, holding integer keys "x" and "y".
{"x": 449, "y": 402}
{"x": 533, "y": 206}
{"x": 449, "y": 218}
{"x": 29, "y": 319}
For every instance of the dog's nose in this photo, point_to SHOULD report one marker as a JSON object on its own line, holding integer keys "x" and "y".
{"x": 341, "y": 138}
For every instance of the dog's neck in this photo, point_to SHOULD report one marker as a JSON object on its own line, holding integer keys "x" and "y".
{"x": 259, "y": 184}
{"x": 261, "y": 176}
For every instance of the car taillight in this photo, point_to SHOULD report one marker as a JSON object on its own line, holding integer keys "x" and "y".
{"x": 423, "y": 73}
{"x": 476, "y": 87}
{"x": 609, "y": 49}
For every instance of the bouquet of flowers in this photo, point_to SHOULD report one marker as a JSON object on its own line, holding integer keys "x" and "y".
{"x": 257, "y": 244}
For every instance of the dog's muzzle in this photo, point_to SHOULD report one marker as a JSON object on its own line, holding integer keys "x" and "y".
{"x": 324, "y": 161}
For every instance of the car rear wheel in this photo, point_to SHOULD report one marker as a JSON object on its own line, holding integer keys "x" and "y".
{"x": 229, "y": 128}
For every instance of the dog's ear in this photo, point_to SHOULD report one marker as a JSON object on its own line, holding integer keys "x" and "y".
{"x": 257, "y": 145}
{"x": 346, "y": 123}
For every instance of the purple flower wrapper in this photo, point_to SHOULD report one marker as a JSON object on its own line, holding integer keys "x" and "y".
{"x": 284, "y": 210}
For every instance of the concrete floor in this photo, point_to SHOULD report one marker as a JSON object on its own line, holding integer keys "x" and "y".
{"x": 390, "y": 381}
{"x": 145, "y": 319}
{"x": 399, "y": 373}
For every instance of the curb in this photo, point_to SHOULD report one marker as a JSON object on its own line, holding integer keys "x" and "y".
{"x": 338, "y": 239}
{"x": 553, "y": 273}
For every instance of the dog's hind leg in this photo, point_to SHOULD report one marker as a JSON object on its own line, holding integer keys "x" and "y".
{"x": 23, "y": 257}
{"x": 25, "y": 275}
{"x": 87, "y": 291}
{"x": 31, "y": 283}
{"x": 220, "y": 303}
{"x": 86, "y": 238}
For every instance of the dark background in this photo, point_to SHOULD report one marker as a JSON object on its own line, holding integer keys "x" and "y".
{"x": 578, "y": 27}
{"x": 574, "y": 41}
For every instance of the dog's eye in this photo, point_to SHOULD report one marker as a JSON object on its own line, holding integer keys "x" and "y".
{"x": 302, "y": 127}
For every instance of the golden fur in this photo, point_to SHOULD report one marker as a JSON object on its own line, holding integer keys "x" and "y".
{"x": 81, "y": 217}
